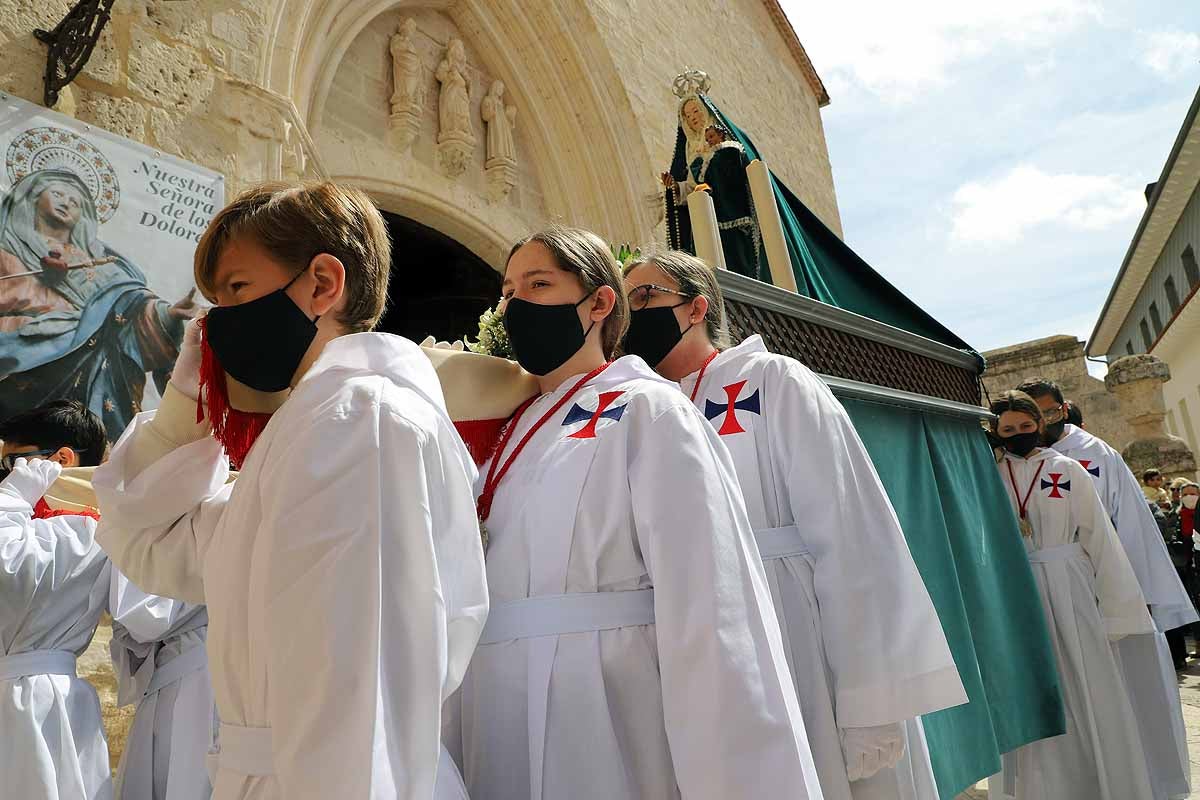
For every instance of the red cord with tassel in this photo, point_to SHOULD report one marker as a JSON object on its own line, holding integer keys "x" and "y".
{"x": 235, "y": 430}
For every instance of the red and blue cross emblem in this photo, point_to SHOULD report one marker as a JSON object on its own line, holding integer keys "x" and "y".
{"x": 604, "y": 410}
{"x": 1056, "y": 485}
{"x": 1087, "y": 464}
{"x": 730, "y": 408}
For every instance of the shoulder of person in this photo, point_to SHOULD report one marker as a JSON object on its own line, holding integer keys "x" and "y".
{"x": 650, "y": 397}
{"x": 372, "y": 399}
{"x": 1065, "y": 464}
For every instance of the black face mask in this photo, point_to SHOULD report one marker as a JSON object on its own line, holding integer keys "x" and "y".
{"x": 1022, "y": 444}
{"x": 261, "y": 343}
{"x": 544, "y": 337}
{"x": 1054, "y": 432}
{"x": 653, "y": 333}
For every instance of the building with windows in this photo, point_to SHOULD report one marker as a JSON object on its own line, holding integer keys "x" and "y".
{"x": 1153, "y": 306}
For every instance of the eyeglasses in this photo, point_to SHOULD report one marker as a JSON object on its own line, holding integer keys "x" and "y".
{"x": 640, "y": 297}
{"x": 10, "y": 460}
{"x": 1054, "y": 415}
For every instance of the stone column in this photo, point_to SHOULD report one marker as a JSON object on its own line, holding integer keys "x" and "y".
{"x": 1137, "y": 382}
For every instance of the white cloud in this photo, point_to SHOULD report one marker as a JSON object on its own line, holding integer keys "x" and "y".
{"x": 897, "y": 50}
{"x": 1002, "y": 210}
{"x": 1170, "y": 52}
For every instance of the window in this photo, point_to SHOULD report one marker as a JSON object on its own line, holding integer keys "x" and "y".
{"x": 1190, "y": 267}
{"x": 1172, "y": 294}
{"x": 1146, "y": 337}
{"x": 1156, "y": 320}
{"x": 1129, "y": 347}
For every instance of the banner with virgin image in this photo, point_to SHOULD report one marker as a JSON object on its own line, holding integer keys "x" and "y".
{"x": 97, "y": 234}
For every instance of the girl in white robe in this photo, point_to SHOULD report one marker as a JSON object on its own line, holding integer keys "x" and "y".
{"x": 1091, "y": 598}
{"x": 53, "y": 589}
{"x": 866, "y": 650}
{"x": 161, "y": 665}
{"x": 633, "y": 651}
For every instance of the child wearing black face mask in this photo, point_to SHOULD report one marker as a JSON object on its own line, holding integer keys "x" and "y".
{"x": 1091, "y": 599}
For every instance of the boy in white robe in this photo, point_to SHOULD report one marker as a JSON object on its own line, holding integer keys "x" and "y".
{"x": 1146, "y": 659}
{"x": 161, "y": 665}
{"x": 53, "y": 589}
{"x": 840, "y": 571}
{"x": 342, "y": 570}
{"x": 1091, "y": 597}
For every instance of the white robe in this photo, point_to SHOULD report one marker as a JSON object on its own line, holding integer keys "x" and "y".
{"x": 862, "y": 637}
{"x": 342, "y": 570}
{"x": 699, "y": 703}
{"x": 53, "y": 590}
{"x": 174, "y": 727}
{"x": 1145, "y": 660}
{"x": 1088, "y": 596}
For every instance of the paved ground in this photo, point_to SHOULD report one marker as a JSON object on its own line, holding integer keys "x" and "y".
{"x": 1189, "y": 693}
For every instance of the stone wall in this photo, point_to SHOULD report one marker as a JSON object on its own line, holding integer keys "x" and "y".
{"x": 1060, "y": 359}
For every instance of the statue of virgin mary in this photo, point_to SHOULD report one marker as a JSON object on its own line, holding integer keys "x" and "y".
{"x": 706, "y": 154}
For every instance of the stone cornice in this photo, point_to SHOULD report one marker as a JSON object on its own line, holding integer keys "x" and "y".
{"x": 784, "y": 25}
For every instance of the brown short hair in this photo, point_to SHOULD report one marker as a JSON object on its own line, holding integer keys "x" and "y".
{"x": 587, "y": 256}
{"x": 1014, "y": 400}
{"x": 297, "y": 222}
{"x": 695, "y": 278}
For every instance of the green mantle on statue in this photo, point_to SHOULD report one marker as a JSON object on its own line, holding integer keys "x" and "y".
{"x": 942, "y": 480}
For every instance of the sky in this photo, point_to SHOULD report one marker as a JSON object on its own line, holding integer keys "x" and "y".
{"x": 990, "y": 158}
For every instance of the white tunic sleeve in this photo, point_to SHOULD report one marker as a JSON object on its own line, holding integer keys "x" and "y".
{"x": 884, "y": 643}
{"x": 373, "y": 599}
{"x": 732, "y": 718}
{"x": 147, "y": 617}
{"x": 1147, "y": 551}
{"x": 1122, "y": 605}
{"x": 161, "y": 495}
{"x": 39, "y": 553}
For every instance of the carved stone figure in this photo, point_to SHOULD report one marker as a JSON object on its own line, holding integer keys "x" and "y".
{"x": 501, "y": 164}
{"x": 408, "y": 83}
{"x": 456, "y": 140}
{"x": 293, "y": 159}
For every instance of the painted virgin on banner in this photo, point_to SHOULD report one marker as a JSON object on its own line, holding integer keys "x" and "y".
{"x": 97, "y": 235}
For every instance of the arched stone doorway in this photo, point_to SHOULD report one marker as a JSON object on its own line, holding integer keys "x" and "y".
{"x": 438, "y": 286}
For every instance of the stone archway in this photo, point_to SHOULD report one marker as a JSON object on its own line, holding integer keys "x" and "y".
{"x": 572, "y": 103}
{"x": 438, "y": 287}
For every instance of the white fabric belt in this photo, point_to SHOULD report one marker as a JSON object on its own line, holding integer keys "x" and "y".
{"x": 1064, "y": 552}
{"x": 37, "y": 662}
{"x": 780, "y": 542}
{"x": 558, "y": 614}
{"x": 191, "y": 660}
{"x": 246, "y": 751}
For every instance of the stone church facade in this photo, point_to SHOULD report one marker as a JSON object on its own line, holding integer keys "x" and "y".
{"x": 568, "y": 116}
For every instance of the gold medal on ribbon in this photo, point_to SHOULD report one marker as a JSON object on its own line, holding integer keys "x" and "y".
{"x": 1026, "y": 528}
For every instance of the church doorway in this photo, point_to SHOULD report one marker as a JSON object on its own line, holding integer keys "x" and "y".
{"x": 438, "y": 287}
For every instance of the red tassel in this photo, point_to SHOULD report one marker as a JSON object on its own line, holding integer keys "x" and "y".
{"x": 43, "y": 511}
{"x": 235, "y": 430}
{"x": 480, "y": 437}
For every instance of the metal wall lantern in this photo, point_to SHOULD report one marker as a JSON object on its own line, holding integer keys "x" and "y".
{"x": 71, "y": 44}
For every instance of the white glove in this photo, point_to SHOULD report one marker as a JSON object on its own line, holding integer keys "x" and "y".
{"x": 29, "y": 480}
{"x": 431, "y": 342}
{"x": 868, "y": 750}
{"x": 185, "y": 376}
